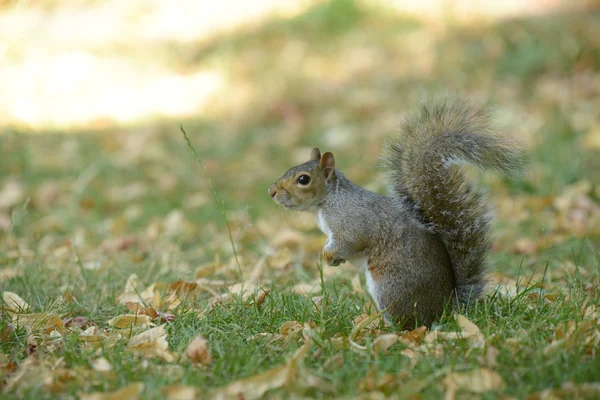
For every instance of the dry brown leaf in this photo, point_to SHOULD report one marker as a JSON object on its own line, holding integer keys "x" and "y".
{"x": 289, "y": 328}
{"x": 470, "y": 331}
{"x": 137, "y": 308}
{"x": 573, "y": 334}
{"x": 262, "y": 297}
{"x": 11, "y": 194}
{"x": 476, "y": 381}
{"x": 365, "y": 321}
{"x": 569, "y": 390}
{"x": 44, "y": 322}
{"x": 129, "y": 392}
{"x": 185, "y": 288}
{"x": 77, "y": 322}
{"x": 152, "y": 343}
{"x": 287, "y": 238}
{"x": 412, "y": 354}
{"x": 256, "y": 386}
{"x": 178, "y": 392}
{"x": 491, "y": 355}
{"x": 383, "y": 342}
{"x": 197, "y": 351}
{"x": 525, "y": 246}
{"x": 8, "y": 273}
{"x": 14, "y": 303}
{"x": 338, "y": 341}
{"x": 101, "y": 365}
{"x": 415, "y": 336}
{"x": 208, "y": 269}
{"x": 127, "y": 321}
{"x": 307, "y": 288}
{"x": 130, "y": 293}
{"x": 269, "y": 337}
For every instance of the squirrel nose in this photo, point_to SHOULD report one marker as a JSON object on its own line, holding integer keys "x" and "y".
{"x": 272, "y": 190}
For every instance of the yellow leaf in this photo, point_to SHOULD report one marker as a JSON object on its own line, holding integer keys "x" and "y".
{"x": 177, "y": 392}
{"x": 256, "y": 386}
{"x": 130, "y": 294}
{"x": 307, "y": 288}
{"x": 148, "y": 337}
{"x": 44, "y": 322}
{"x": 129, "y": 392}
{"x": 152, "y": 343}
{"x": 197, "y": 351}
{"x": 477, "y": 381}
{"x": 383, "y": 342}
{"x": 14, "y": 303}
{"x": 470, "y": 331}
{"x": 289, "y": 328}
{"x": 129, "y": 320}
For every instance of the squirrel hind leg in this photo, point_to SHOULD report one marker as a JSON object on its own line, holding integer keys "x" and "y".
{"x": 385, "y": 296}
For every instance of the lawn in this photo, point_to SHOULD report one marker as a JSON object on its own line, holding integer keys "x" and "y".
{"x": 129, "y": 269}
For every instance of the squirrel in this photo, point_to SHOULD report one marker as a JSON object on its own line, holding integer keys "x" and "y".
{"x": 423, "y": 247}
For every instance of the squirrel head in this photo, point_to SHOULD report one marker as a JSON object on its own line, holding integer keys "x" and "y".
{"x": 305, "y": 187}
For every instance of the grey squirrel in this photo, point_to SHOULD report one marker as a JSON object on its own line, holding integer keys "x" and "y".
{"x": 424, "y": 246}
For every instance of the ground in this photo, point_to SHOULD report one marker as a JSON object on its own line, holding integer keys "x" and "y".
{"x": 128, "y": 268}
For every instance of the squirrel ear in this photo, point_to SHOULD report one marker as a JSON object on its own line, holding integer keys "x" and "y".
{"x": 315, "y": 154}
{"x": 327, "y": 164}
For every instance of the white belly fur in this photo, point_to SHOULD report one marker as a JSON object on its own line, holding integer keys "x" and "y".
{"x": 372, "y": 288}
{"x": 323, "y": 224}
{"x": 360, "y": 262}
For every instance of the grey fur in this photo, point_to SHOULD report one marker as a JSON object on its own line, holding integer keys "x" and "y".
{"x": 424, "y": 166}
{"x": 425, "y": 244}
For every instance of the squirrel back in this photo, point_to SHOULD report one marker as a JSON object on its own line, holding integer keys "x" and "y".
{"x": 424, "y": 168}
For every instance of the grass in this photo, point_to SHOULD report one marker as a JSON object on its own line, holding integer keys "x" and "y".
{"x": 80, "y": 213}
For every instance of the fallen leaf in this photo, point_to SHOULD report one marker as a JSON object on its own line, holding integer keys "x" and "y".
{"x": 415, "y": 336}
{"x": 178, "y": 392}
{"x": 11, "y": 194}
{"x": 152, "y": 343}
{"x": 364, "y": 321}
{"x": 45, "y": 322}
{"x": 130, "y": 293}
{"x": 491, "y": 355}
{"x": 185, "y": 288}
{"x": 261, "y": 298}
{"x": 289, "y": 328}
{"x": 129, "y": 392}
{"x": 269, "y": 337}
{"x": 470, "y": 331}
{"x": 479, "y": 380}
{"x": 101, "y": 365}
{"x": 569, "y": 390}
{"x": 128, "y": 321}
{"x": 307, "y": 288}
{"x": 139, "y": 309}
{"x": 525, "y": 246}
{"x": 14, "y": 303}
{"x": 197, "y": 351}
{"x": 256, "y": 386}
{"x": 9, "y": 273}
{"x": 383, "y": 342}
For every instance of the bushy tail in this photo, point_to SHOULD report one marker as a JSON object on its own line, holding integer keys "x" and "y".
{"x": 424, "y": 166}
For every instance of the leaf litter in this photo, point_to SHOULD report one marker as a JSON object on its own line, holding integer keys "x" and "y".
{"x": 272, "y": 256}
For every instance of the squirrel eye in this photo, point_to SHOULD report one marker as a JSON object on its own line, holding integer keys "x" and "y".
{"x": 304, "y": 179}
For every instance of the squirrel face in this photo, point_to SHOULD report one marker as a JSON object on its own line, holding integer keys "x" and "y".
{"x": 304, "y": 187}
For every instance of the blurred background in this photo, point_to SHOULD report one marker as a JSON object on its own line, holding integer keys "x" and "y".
{"x": 92, "y": 95}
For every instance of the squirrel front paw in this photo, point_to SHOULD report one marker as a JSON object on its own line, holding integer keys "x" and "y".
{"x": 332, "y": 259}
